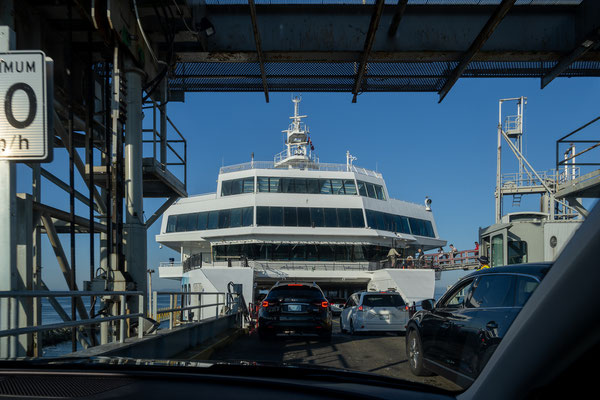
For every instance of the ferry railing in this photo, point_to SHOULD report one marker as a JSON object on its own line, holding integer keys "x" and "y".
{"x": 524, "y": 179}
{"x": 316, "y": 166}
{"x": 15, "y": 298}
{"x": 182, "y": 302}
{"x": 449, "y": 259}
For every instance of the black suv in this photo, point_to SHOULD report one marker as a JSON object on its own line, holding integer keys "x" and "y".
{"x": 456, "y": 337}
{"x": 297, "y": 307}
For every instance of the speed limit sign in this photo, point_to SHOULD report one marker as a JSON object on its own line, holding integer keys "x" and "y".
{"x": 24, "y": 119}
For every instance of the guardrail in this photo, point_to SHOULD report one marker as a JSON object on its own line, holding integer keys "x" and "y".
{"x": 14, "y": 298}
{"x": 180, "y": 302}
{"x": 313, "y": 166}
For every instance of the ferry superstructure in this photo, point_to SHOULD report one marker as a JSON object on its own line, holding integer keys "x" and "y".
{"x": 293, "y": 218}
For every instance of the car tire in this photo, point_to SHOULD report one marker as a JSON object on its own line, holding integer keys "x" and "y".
{"x": 342, "y": 326}
{"x": 263, "y": 335}
{"x": 414, "y": 354}
{"x": 325, "y": 337}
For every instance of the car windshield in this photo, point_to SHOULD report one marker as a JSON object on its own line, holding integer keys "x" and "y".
{"x": 383, "y": 300}
{"x": 371, "y": 186}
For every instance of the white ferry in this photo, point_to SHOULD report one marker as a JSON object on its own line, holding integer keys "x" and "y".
{"x": 297, "y": 219}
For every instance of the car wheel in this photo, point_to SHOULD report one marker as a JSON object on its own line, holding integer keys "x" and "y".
{"x": 342, "y": 326}
{"x": 325, "y": 337}
{"x": 414, "y": 353}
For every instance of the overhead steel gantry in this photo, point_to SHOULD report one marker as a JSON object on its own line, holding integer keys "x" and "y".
{"x": 114, "y": 60}
{"x": 380, "y": 46}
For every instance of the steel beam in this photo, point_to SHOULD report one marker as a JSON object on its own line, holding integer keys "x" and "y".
{"x": 563, "y": 64}
{"x": 489, "y": 28}
{"x": 398, "y": 14}
{"x": 373, "y": 25}
{"x": 258, "y": 48}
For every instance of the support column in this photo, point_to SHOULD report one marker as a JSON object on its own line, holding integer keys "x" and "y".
{"x": 135, "y": 228}
{"x": 8, "y": 179}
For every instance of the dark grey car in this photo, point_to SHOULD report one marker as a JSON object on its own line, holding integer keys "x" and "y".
{"x": 456, "y": 337}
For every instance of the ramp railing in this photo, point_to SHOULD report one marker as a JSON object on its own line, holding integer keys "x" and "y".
{"x": 187, "y": 306}
{"x": 9, "y": 346}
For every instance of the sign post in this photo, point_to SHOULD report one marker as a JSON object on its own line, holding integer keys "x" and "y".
{"x": 25, "y": 136}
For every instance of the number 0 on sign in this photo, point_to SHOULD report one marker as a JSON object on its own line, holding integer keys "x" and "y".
{"x": 24, "y": 124}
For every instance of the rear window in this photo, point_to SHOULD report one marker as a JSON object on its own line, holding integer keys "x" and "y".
{"x": 383, "y": 300}
{"x": 306, "y": 292}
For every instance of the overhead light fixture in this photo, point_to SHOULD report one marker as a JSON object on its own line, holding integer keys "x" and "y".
{"x": 427, "y": 204}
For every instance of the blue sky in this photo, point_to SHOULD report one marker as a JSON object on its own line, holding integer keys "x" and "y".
{"x": 445, "y": 151}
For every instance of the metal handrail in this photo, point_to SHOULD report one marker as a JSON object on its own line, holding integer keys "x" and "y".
{"x": 173, "y": 309}
{"x": 14, "y": 297}
{"x": 316, "y": 166}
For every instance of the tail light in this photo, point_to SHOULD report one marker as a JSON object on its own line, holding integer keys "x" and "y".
{"x": 265, "y": 304}
{"x": 324, "y": 304}
{"x": 360, "y": 308}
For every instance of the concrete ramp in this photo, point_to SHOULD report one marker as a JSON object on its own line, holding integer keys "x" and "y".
{"x": 413, "y": 284}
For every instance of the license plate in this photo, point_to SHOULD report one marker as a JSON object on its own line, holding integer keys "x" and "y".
{"x": 294, "y": 307}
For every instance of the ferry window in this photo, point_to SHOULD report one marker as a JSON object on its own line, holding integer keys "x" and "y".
{"x": 517, "y": 252}
{"x": 262, "y": 216}
{"x": 380, "y": 220}
{"x": 171, "y": 223}
{"x": 371, "y": 190}
{"x": 247, "y": 216}
{"x": 236, "y": 218}
{"x": 379, "y": 192}
{"x": 300, "y": 185}
{"x": 497, "y": 250}
{"x": 192, "y": 222}
{"x": 357, "y": 218}
{"x": 313, "y": 186}
{"x": 224, "y": 218}
{"x": 388, "y": 220}
{"x": 344, "y": 218}
{"x": 405, "y": 227}
{"x": 262, "y": 183}
{"x": 181, "y": 223}
{"x": 290, "y": 217}
{"x": 213, "y": 220}
{"x": 330, "y": 217}
{"x": 282, "y": 252}
{"x": 287, "y": 185}
{"x": 303, "y": 216}
{"x": 312, "y": 253}
{"x": 337, "y": 186}
{"x": 362, "y": 188}
{"x": 371, "y": 220}
{"x": 298, "y": 252}
{"x": 316, "y": 217}
{"x": 225, "y": 188}
{"x": 202, "y": 219}
{"x": 429, "y": 229}
{"x": 276, "y": 216}
{"x": 236, "y": 186}
{"x": 325, "y": 186}
{"x": 349, "y": 186}
{"x": 341, "y": 253}
{"x": 417, "y": 227}
{"x": 326, "y": 253}
{"x": 274, "y": 185}
{"x": 248, "y": 185}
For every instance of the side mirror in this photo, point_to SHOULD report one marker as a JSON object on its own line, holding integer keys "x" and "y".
{"x": 427, "y": 304}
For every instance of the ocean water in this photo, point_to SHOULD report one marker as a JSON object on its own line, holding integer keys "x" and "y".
{"x": 50, "y": 316}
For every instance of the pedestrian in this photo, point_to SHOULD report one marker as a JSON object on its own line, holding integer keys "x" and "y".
{"x": 392, "y": 257}
{"x": 476, "y": 249}
{"x": 409, "y": 262}
{"x": 484, "y": 263}
{"x": 420, "y": 258}
{"x": 453, "y": 251}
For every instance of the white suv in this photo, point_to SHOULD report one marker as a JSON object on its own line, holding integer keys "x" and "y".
{"x": 375, "y": 311}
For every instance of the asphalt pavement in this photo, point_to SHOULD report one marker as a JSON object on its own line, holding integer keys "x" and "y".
{"x": 381, "y": 353}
